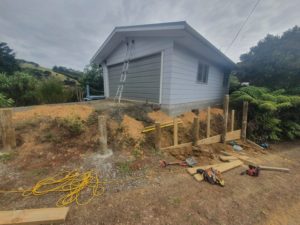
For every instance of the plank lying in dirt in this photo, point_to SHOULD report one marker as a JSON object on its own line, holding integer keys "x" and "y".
{"x": 222, "y": 167}
{"x": 243, "y": 158}
{"x": 33, "y": 216}
{"x": 227, "y": 158}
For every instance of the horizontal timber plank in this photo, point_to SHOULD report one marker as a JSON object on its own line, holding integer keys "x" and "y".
{"x": 222, "y": 168}
{"x": 178, "y": 146}
{"x": 210, "y": 140}
{"x": 33, "y": 216}
{"x": 233, "y": 135}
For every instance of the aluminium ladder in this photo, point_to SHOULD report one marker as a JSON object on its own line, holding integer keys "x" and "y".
{"x": 129, "y": 48}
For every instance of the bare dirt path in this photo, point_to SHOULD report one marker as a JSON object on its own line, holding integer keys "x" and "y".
{"x": 273, "y": 198}
{"x": 175, "y": 198}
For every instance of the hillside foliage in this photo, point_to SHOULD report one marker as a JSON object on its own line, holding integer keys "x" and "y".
{"x": 273, "y": 115}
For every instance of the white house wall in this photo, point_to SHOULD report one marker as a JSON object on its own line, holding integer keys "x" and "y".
{"x": 184, "y": 87}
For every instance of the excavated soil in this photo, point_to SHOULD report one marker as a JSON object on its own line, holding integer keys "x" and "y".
{"x": 82, "y": 111}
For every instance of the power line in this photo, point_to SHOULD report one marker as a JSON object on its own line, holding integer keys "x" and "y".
{"x": 244, "y": 23}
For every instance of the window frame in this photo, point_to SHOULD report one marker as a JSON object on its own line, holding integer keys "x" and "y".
{"x": 203, "y": 78}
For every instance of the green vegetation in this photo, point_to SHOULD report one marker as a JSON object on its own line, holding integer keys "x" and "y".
{"x": 5, "y": 157}
{"x": 72, "y": 124}
{"x": 124, "y": 167}
{"x": 274, "y": 62}
{"x": 5, "y": 102}
{"x": 273, "y": 69}
{"x": 25, "y": 83}
{"x": 273, "y": 115}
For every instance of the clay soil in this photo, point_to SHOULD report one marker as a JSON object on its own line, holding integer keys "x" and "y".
{"x": 165, "y": 195}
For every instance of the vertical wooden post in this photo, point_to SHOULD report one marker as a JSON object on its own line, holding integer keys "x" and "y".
{"x": 102, "y": 133}
{"x": 157, "y": 136}
{"x": 175, "y": 133}
{"x": 226, "y": 107}
{"x": 244, "y": 123}
{"x": 208, "y": 122}
{"x": 232, "y": 120}
{"x": 196, "y": 130}
{"x": 7, "y": 131}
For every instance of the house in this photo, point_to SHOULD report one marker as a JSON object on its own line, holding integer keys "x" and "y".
{"x": 170, "y": 64}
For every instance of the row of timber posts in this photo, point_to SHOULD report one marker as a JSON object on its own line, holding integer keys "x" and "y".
{"x": 196, "y": 124}
{"x": 7, "y": 130}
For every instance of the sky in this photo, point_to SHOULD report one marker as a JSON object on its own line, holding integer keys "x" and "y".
{"x": 69, "y": 32}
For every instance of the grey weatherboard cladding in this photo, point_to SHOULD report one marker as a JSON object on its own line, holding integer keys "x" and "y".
{"x": 143, "y": 79}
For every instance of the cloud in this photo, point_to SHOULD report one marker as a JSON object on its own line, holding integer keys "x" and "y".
{"x": 68, "y": 32}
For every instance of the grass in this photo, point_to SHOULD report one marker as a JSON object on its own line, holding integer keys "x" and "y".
{"x": 5, "y": 157}
{"x": 60, "y": 76}
{"x": 124, "y": 167}
{"x": 175, "y": 201}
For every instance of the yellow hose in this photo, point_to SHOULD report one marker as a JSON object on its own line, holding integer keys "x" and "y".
{"x": 72, "y": 183}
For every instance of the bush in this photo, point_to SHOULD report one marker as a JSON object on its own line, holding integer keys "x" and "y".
{"x": 21, "y": 87}
{"x": 51, "y": 91}
{"x": 73, "y": 125}
{"x": 5, "y": 102}
{"x": 273, "y": 115}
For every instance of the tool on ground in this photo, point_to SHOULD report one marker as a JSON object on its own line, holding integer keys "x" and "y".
{"x": 191, "y": 161}
{"x": 212, "y": 176}
{"x": 164, "y": 163}
{"x": 252, "y": 171}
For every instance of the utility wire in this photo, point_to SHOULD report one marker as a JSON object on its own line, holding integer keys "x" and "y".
{"x": 244, "y": 23}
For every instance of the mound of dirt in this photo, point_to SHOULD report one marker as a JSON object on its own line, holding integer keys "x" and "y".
{"x": 62, "y": 111}
{"x": 188, "y": 118}
{"x": 133, "y": 127}
{"x": 159, "y": 116}
{"x": 213, "y": 111}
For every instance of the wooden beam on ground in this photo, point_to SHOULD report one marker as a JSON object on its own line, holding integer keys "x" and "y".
{"x": 210, "y": 140}
{"x": 244, "y": 121}
{"x": 225, "y": 122}
{"x": 232, "y": 120}
{"x": 175, "y": 133}
{"x": 222, "y": 167}
{"x": 274, "y": 168}
{"x": 256, "y": 145}
{"x": 208, "y": 122}
{"x": 233, "y": 135}
{"x": 7, "y": 130}
{"x": 193, "y": 170}
{"x": 157, "y": 136}
{"x": 227, "y": 158}
{"x": 196, "y": 130}
{"x": 243, "y": 158}
{"x": 34, "y": 216}
{"x": 178, "y": 146}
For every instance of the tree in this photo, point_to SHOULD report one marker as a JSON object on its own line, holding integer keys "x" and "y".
{"x": 93, "y": 76}
{"x": 274, "y": 62}
{"x": 8, "y": 63}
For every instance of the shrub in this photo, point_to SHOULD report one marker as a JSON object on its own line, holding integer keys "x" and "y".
{"x": 51, "y": 91}
{"x": 21, "y": 87}
{"x": 5, "y": 102}
{"x": 273, "y": 115}
{"x": 73, "y": 125}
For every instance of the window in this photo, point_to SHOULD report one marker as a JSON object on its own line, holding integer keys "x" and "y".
{"x": 202, "y": 75}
